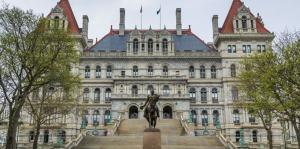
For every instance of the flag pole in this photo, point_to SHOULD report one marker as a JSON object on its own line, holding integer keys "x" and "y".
{"x": 141, "y": 11}
{"x": 160, "y": 17}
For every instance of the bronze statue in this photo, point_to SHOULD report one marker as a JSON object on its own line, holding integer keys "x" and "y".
{"x": 151, "y": 112}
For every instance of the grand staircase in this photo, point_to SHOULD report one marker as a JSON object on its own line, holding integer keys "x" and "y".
{"x": 130, "y": 136}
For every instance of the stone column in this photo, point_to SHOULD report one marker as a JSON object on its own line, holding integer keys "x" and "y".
{"x": 101, "y": 120}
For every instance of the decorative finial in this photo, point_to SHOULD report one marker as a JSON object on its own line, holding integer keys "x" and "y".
{"x": 135, "y": 27}
{"x": 150, "y": 28}
{"x": 165, "y": 27}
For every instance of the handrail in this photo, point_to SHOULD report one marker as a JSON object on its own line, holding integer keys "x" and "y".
{"x": 186, "y": 127}
{"x": 116, "y": 125}
{"x": 74, "y": 142}
{"x": 226, "y": 142}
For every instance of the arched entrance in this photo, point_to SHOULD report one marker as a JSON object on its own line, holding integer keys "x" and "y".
{"x": 167, "y": 112}
{"x": 133, "y": 112}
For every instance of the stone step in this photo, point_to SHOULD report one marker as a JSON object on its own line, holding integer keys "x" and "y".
{"x": 138, "y": 140}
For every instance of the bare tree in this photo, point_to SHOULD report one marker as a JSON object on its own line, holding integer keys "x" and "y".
{"x": 52, "y": 103}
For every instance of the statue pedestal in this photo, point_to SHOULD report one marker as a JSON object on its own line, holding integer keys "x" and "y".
{"x": 152, "y": 138}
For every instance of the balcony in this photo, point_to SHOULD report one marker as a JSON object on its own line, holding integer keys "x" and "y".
{"x": 144, "y": 96}
{"x": 151, "y": 77}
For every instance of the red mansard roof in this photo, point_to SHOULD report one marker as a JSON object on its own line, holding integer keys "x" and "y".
{"x": 65, "y": 5}
{"x": 228, "y": 23}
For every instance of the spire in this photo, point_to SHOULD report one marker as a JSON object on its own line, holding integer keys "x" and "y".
{"x": 68, "y": 12}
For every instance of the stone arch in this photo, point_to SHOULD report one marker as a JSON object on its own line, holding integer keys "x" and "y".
{"x": 133, "y": 111}
{"x": 167, "y": 112}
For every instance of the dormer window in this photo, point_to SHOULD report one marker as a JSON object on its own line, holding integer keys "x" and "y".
{"x": 56, "y": 22}
{"x": 135, "y": 46}
{"x": 244, "y": 23}
{"x": 150, "y": 46}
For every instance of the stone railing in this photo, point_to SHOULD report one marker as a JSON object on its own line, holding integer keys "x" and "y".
{"x": 185, "y": 125}
{"x": 119, "y": 77}
{"x": 75, "y": 141}
{"x": 226, "y": 142}
{"x": 138, "y": 96}
{"x": 116, "y": 125}
{"x": 180, "y": 54}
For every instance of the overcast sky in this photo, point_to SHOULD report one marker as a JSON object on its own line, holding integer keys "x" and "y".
{"x": 278, "y": 15}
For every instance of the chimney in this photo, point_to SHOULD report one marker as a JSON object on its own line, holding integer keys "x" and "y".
{"x": 215, "y": 25}
{"x": 122, "y": 22}
{"x": 178, "y": 21}
{"x": 85, "y": 26}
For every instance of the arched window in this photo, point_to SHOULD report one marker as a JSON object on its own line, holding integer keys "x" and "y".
{"x": 234, "y": 93}
{"x": 166, "y": 90}
{"x": 254, "y": 136}
{"x": 214, "y": 94}
{"x": 149, "y": 89}
{"x": 98, "y": 72}
{"x": 213, "y": 71}
{"x": 107, "y": 117}
{"x": 165, "y": 70}
{"x": 87, "y": 72}
{"x": 165, "y": 46}
{"x": 96, "y": 117}
{"x": 216, "y": 119}
{"x": 192, "y": 71}
{"x": 192, "y": 93}
{"x": 31, "y": 135}
{"x": 85, "y": 120}
{"x": 233, "y": 70}
{"x": 86, "y": 93}
{"x": 251, "y": 116}
{"x": 134, "y": 90}
{"x": 109, "y": 71}
{"x": 135, "y": 71}
{"x": 202, "y": 72}
{"x": 107, "y": 95}
{"x": 237, "y": 136}
{"x": 203, "y": 95}
{"x": 46, "y": 136}
{"x": 150, "y": 70}
{"x": 56, "y": 22}
{"x": 204, "y": 117}
{"x": 194, "y": 116}
{"x": 244, "y": 23}
{"x": 150, "y": 46}
{"x": 51, "y": 91}
{"x": 236, "y": 117}
{"x": 135, "y": 46}
{"x": 97, "y": 95}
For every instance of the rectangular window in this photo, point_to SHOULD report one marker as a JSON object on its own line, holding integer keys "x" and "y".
{"x": 248, "y": 48}
{"x": 143, "y": 47}
{"x": 252, "y": 24}
{"x": 233, "y": 48}
{"x": 263, "y": 48}
{"x": 244, "y": 48}
{"x": 123, "y": 73}
{"x": 229, "y": 49}
{"x": 237, "y": 23}
{"x": 177, "y": 73}
{"x": 259, "y": 48}
{"x": 157, "y": 47}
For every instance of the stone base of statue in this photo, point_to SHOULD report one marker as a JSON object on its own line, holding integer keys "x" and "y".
{"x": 152, "y": 138}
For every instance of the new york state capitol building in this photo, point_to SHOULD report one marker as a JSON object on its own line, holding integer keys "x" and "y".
{"x": 196, "y": 81}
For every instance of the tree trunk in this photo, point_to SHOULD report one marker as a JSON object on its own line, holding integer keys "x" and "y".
{"x": 270, "y": 138}
{"x": 36, "y": 136}
{"x": 14, "y": 116}
{"x": 297, "y": 131}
